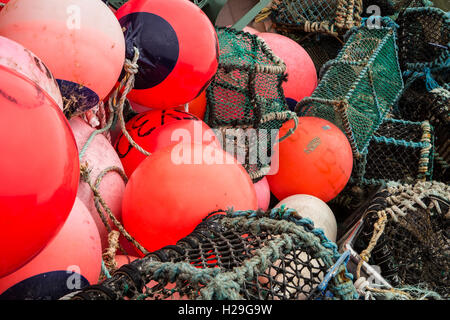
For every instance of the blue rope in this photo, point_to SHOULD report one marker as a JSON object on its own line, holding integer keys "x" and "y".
{"x": 105, "y": 270}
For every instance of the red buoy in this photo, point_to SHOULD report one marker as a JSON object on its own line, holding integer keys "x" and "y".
{"x": 39, "y": 167}
{"x": 157, "y": 129}
{"x": 72, "y": 260}
{"x": 172, "y": 190}
{"x": 178, "y": 49}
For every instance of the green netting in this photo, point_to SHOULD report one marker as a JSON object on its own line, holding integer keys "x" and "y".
{"x": 424, "y": 44}
{"x": 327, "y": 16}
{"x": 405, "y": 233}
{"x": 419, "y": 104}
{"x": 393, "y": 7}
{"x": 234, "y": 255}
{"x": 245, "y": 100}
{"x": 360, "y": 86}
{"x": 399, "y": 151}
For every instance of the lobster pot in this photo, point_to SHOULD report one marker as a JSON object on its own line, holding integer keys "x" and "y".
{"x": 412, "y": 250}
{"x": 419, "y": 104}
{"x": 324, "y": 16}
{"x": 236, "y": 255}
{"x": 245, "y": 100}
{"x": 423, "y": 39}
{"x": 393, "y": 7}
{"x": 360, "y": 86}
{"x": 399, "y": 151}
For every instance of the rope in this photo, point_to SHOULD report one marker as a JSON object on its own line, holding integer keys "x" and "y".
{"x": 127, "y": 84}
{"x": 109, "y": 256}
{"x": 85, "y": 176}
{"x": 116, "y": 109}
{"x": 378, "y": 231}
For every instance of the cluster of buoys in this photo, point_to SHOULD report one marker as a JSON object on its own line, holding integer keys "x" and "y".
{"x": 175, "y": 169}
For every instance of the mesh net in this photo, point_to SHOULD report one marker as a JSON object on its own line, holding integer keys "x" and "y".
{"x": 399, "y": 151}
{"x": 360, "y": 86}
{"x": 325, "y": 16}
{"x": 419, "y": 104}
{"x": 245, "y": 101}
{"x": 393, "y": 7}
{"x": 424, "y": 38}
{"x": 236, "y": 255}
{"x": 411, "y": 247}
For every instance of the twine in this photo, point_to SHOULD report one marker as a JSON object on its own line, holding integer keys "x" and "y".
{"x": 85, "y": 176}
{"x": 116, "y": 109}
{"x": 109, "y": 256}
{"x": 127, "y": 84}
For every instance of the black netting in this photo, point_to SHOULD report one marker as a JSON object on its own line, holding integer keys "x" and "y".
{"x": 399, "y": 151}
{"x": 423, "y": 39}
{"x": 414, "y": 248}
{"x": 237, "y": 255}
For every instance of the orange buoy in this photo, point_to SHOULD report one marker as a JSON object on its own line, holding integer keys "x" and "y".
{"x": 263, "y": 193}
{"x": 172, "y": 190}
{"x": 197, "y": 107}
{"x": 157, "y": 129}
{"x": 302, "y": 74}
{"x": 99, "y": 156}
{"x": 71, "y": 261}
{"x": 80, "y": 41}
{"x": 316, "y": 160}
{"x": 178, "y": 50}
{"x": 39, "y": 167}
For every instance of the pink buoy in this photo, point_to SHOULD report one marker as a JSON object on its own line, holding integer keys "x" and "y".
{"x": 251, "y": 30}
{"x": 247, "y": 29}
{"x": 99, "y": 155}
{"x": 123, "y": 260}
{"x": 302, "y": 74}
{"x": 69, "y": 262}
{"x": 263, "y": 193}
{"x": 80, "y": 41}
{"x": 26, "y": 64}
